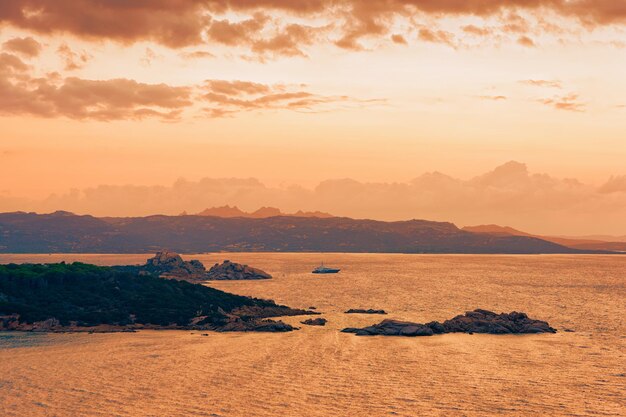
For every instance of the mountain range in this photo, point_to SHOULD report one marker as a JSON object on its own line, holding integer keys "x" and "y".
{"x": 261, "y": 213}
{"x": 590, "y": 243}
{"x": 64, "y": 232}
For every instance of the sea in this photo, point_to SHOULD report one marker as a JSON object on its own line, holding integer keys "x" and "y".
{"x": 321, "y": 372}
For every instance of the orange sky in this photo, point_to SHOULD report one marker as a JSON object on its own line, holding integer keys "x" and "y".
{"x": 97, "y": 92}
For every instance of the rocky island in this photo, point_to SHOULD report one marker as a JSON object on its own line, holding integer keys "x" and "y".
{"x": 83, "y": 297}
{"x": 232, "y": 271}
{"x": 315, "y": 322}
{"x": 363, "y": 311}
{"x": 170, "y": 265}
{"x": 477, "y": 321}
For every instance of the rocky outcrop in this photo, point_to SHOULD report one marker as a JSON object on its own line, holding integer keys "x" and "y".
{"x": 267, "y": 326}
{"x": 9, "y": 322}
{"x": 362, "y": 311}
{"x": 477, "y": 321}
{"x": 232, "y": 271}
{"x": 483, "y": 321}
{"x": 315, "y": 322}
{"x": 261, "y": 312}
{"x": 168, "y": 264}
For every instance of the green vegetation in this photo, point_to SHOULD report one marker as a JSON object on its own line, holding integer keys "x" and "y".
{"x": 92, "y": 295}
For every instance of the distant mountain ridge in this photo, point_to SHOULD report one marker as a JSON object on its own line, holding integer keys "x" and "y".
{"x": 570, "y": 242}
{"x": 261, "y": 213}
{"x": 63, "y": 232}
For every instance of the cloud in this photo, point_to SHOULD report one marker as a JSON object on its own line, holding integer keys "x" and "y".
{"x": 399, "y": 39}
{"x": 27, "y": 46}
{"x": 197, "y": 55}
{"x": 263, "y": 35}
{"x": 284, "y": 27}
{"x": 614, "y": 185}
{"x": 238, "y": 33}
{"x": 438, "y": 36}
{"x": 526, "y": 41}
{"x": 21, "y": 93}
{"x": 173, "y": 23}
{"x": 494, "y": 98}
{"x": 12, "y": 66}
{"x": 225, "y": 98}
{"x": 568, "y": 102}
{"x": 80, "y": 99}
{"x": 287, "y": 43}
{"x": 509, "y": 194}
{"x": 543, "y": 83}
{"x": 73, "y": 60}
{"x": 475, "y": 30}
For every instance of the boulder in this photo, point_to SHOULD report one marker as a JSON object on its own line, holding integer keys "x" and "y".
{"x": 168, "y": 264}
{"x": 362, "y": 311}
{"x": 232, "y": 271}
{"x": 315, "y": 322}
{"x": 477, "y": 321}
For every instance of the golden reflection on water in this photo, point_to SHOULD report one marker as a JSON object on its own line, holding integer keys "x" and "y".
{"x": 318, "y": 371}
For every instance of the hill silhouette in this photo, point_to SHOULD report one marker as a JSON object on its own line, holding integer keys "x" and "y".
{"x": 66, "y": 232}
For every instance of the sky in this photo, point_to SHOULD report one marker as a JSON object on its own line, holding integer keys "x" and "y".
{"x": 388, "y": 96}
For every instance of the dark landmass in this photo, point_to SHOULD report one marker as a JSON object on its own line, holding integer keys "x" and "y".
{"x": 477, "y": 321}
{"x": 361, "y": 311}
{"x": 570, "y": 242}
{"x": 315, "y": 322}
{"x": 60, "y": 297}
{"x": 63, "y": 232}
{"x": 232, "y": 271}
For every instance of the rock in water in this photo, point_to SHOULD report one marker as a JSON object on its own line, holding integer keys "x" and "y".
{"x": 393, "y": 328}
{"x": 228, "y": 270}
{"x": 315, "y": 322}
{"x": 477, "y": 321}
{"x": 362, "y": 311}
{"x": 483, "y": 321}
{"x": 170, "y": 265}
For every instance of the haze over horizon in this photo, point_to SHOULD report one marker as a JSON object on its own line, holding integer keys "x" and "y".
{"x": 507, "y": 195}
{"x": 338, "y": 106}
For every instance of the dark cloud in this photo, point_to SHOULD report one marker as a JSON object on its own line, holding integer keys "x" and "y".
{"x": 173, "y": 23}
{"x": 269, "y": 26}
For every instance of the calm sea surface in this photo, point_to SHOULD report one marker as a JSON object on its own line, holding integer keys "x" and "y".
{"x": 318, "y": 371}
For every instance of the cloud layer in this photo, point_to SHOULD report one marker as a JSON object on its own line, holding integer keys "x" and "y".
{"x": 507, "y": 195}
{"x": 22, "y": 93}
{"x": 284, "y": 26}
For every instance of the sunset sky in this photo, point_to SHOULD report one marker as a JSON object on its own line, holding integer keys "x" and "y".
{"x": 143, "y": 96}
